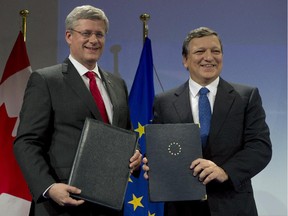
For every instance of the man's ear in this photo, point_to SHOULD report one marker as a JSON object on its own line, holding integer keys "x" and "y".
{"x": 184, "y": 62}
{"x": 68, "y": 36}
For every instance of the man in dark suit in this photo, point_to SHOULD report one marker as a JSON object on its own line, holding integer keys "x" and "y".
{"x": 238, "y": 145}
{"x": 56, "y": 103}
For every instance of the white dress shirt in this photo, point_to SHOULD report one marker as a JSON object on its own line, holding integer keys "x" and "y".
{"x": 194, "y": 96}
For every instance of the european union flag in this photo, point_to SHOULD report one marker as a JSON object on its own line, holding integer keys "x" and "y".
{"x": 141, "y": 104}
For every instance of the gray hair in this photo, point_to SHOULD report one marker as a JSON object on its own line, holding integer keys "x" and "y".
{"x": 85, "y": 12}
{"x": 198, "y": 33}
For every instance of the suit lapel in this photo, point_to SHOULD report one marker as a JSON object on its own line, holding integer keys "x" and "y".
{"x": 223, "y": 103}
{"x": 182, "y": 103}
{"x": 73, "y": 79}
{"x": 109, "y": 85}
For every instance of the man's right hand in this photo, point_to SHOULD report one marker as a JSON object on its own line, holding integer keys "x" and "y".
{"x": 60, "y": 193}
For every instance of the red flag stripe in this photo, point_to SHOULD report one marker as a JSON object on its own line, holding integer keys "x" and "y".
{"x": 13, "y": 64}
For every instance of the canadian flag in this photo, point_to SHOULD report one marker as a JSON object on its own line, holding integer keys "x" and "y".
{"x": 15, "y": 198}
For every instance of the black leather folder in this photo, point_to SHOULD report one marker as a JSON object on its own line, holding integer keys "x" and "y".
{"x": 170, "y": 149}
{"x": 101, "y": 165}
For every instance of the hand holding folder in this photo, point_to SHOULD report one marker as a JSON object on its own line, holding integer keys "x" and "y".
{"x": 170, "y": 149}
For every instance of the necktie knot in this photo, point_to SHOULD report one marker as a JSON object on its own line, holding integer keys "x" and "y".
{"x": 203, "y": 91}
{"x": 90, "y": 75}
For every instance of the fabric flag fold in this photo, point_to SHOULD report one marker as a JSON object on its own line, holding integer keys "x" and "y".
{"x": 141, "y": 99}
{"x": 14, "y": 193}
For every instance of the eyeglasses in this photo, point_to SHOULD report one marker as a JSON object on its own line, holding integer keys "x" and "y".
{"x": 88, "y": 34}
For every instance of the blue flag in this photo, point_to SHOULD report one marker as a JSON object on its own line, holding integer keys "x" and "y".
{"x": 141, "y": 104}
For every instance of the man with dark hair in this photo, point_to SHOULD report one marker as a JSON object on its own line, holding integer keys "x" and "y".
{"x": 235, "y": 139}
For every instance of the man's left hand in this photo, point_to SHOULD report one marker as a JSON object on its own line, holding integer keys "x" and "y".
{"x": 207, "y": 171}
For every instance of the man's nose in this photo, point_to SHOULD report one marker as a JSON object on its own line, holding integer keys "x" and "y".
{"x": 208, "y": 55}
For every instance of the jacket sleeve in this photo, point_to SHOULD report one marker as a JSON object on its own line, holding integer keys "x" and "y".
{"x": 256, "y": 149}
{"x": 32, "y": 141}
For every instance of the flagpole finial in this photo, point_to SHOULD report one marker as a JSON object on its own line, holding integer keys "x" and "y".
{"x": 144, "y": 18}
{"x": 24, "y": 13}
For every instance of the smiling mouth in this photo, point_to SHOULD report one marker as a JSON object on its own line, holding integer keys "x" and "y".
{"x": 208, "y": 65}
{"x": 92, "y": 48}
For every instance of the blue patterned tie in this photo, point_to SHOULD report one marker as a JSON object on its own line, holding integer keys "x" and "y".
{"x": 204, "y": 115}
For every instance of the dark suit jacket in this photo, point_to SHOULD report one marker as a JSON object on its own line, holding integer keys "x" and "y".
{"x": 55, "y": 106}
{"x": 238, "y": 142}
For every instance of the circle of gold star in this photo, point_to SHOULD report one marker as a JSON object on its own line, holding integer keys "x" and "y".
{"x": 174, "y": 148}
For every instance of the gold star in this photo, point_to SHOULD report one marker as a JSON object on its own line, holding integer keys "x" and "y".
{"x": 130, "y": 180}
{"x": 140, "y": 130}
{"x": 149, "y": 214}
{"x": 136, "y": 202}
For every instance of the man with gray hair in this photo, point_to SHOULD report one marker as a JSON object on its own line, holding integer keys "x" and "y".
{"x": 56, "y": 103}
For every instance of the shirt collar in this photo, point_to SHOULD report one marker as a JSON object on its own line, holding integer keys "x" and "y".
{"x": 82, "y": 69}
{"x": 195, "y": 87}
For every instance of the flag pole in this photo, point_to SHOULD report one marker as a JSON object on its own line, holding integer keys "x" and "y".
{"x": 144, "y": 18}
{"x": 24, "y": 14}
